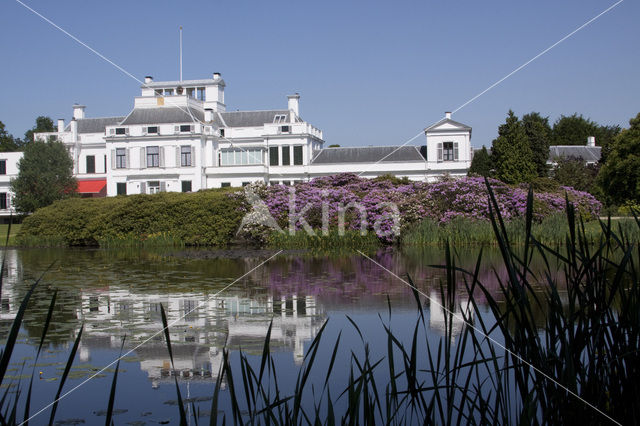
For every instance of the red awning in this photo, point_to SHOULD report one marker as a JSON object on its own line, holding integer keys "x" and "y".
{"x": 91, "y": 186}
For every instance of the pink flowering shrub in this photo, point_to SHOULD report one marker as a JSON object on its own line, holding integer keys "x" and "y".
{"x": 440, "y": 201}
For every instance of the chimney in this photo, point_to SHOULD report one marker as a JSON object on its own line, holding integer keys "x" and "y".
{"x": 78, "y": 111}
{"x": 294, "y": 106}
{"x": 447, "y": 115}
{"x": 208, "y": 115}
{"x": 148, "y": 79}
{"x": 60, "y": 125}
{"x": 74, "y": 129}
{"x": 216, "y": 76}
{"x": 591, "y": 141}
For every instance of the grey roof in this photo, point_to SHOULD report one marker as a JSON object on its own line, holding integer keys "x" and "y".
{"x": 369, "y": 154}
{"x": 251, "y": 118}
{"x": 163, "y": 115}
{"x": 450, "y": 121}
{"x": 95, "y": 125}
{"x": 587, "y": 153}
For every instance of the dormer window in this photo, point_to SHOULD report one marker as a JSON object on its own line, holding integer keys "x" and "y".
{"x": 201, "y": 94}
{"x": 168, "y": 92}
{"x": 448, "y": 151}
{"x": 280, "y": 118}
{"x": 285, "y": 129}
{"x": 191, "y": 92}
{"x": 158, "y": 92}
{"x": 121, "y": 131}
{"x": 222, "y": 133}
{"x": 153, "y": 130}
{"x": 186, "y": 128}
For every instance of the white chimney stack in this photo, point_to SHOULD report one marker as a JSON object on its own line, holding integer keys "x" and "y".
{"x": 216, "y": 76}
{"x": 591, "y": 141}
{"x": 74, "y": 129}
{"x": 60, "y": 125}
{"x": 208, "y": 115}
{"x": 447, "y": 115}
{"x": 78, "y": 111}
{"x": 148, "y": 79}
{"x": 294, "y": 106}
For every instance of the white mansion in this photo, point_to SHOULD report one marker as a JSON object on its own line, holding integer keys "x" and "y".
{"x": 179, "y": 137}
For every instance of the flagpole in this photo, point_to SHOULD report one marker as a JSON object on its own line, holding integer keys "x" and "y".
{"x": 180, "y": 52}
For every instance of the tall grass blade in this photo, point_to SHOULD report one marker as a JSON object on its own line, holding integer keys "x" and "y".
{"x": 165, "y": 325}
{"x": 112, "y": 394}
{"x": 65, "y": 374}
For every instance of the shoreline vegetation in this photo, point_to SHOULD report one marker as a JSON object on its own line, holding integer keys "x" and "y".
{"x": 579, "y": 366}
{"x": 455, "y": 211}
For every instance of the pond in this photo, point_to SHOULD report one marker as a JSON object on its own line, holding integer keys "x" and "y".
{"x": 214, "y": 300}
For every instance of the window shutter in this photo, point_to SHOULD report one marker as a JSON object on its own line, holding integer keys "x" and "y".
{"x": 439, "y": 151}
{"x": 178, "y": 158}
{"x": 143, "y": 158}
{"x": 143, "y": 187}
{"x": 177, "y": 129}
{"x": 161, "y": 157}
{"x": 193, "y": 155}
{"x": 127, "y": 155}
{"x": 163, "y": 186}
{"x": 455, "y": 151}
{"x": 113, "y": 159}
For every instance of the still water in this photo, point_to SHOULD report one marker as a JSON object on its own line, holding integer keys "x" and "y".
{"x": 114, "y": 293}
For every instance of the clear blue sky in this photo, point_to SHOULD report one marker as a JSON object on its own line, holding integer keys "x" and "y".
{"x": 369, "y": 73}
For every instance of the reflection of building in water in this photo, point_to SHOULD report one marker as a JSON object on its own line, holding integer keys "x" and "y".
{"x": 199, "y": 328}
{"x": 439, "y": 317}
{"x": 11, "y": 275}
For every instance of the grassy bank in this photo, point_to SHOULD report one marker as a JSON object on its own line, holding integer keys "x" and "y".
{"x": 206, "y": 218}
{"x": 552, "y": 230}
{"x": 15, "y": 229}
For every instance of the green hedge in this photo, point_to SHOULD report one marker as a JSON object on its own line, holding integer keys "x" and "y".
{"x": 207, "y": 218}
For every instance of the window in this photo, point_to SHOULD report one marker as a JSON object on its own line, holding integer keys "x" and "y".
{"x": 105, "y": 163}
{"x": 286, "y": 182}
{"x": 158, "y": 92}
{"x": 186, "y": 186}
{"x": 273, "y": 156}
{"x": 201, "y": 93}
{"x": 280, "y": 118}
{"x": 121, "y": 131}
{"x": 185, "y": 128}
{"x": 121, "y": 188}
{"x": 286, "y": 156}
{"x": 448, "y": 151}
{"x": 91, "y": 164}
{"x": 168, "y": 92}
{"x": 121, "y": 158}
{"x": 153, "y": 157}
{"x": 285, "y": 129}
{"x": 222, "y": 133}
{"x": 225, "y": 184}
{"x": 154, "y": 186}
{"x": 246, "y": 183}
{"x": 191, "y": 92}
{"x": 185, "y": 156}
{"x": 152, "y": 130}
{"x": 297, "y": 155}
{"x": 240, "y": 157}
{"x": 3, "y": 167}
{"x": 3, "y": 201}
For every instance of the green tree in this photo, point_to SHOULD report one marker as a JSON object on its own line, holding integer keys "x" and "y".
{"x": 511, "y": 153}
{"x": 573, "y": 130}
{"x": 481, "y": 164}
{"x": 43, "y": 124}
{"x": 538, "y": 133}
{"x": 619, "y": 177}
{"x": 45, "y": 174}
{"x": 604, "y": 138}
{"x": 7, "y": 142}
{"x": 575, "y": 173}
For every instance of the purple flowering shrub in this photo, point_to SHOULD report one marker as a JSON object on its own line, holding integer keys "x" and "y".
{"x": 368, "y": 203}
